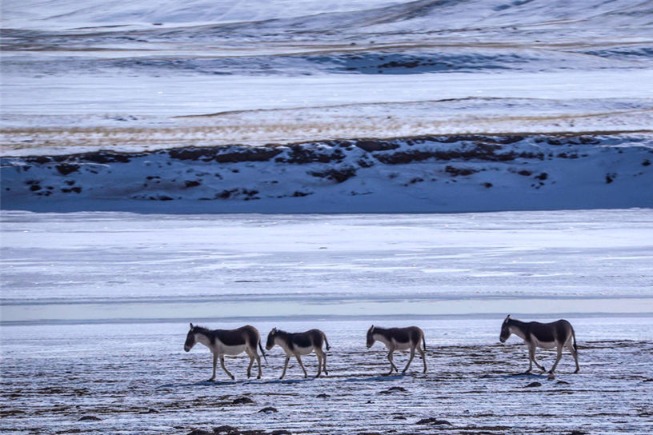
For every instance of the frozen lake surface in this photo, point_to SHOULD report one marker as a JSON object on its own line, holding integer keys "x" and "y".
{"x": 95, "y": 309}
{"x": 115, "y": 267}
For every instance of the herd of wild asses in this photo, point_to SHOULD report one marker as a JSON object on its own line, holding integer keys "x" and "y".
{"x": 221, "y": 342}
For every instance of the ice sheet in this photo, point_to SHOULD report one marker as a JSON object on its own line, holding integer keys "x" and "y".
{"x": 127, "y": 267}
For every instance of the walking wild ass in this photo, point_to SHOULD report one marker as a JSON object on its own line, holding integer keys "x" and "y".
{"x": 298, "y": 344}
{"x": 223, "y": 342}
{"x": 556, "y": 334}
{"x": 409, "y": 338}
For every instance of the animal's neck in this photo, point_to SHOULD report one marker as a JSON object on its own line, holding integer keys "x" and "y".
{"x": 381, "y": 334}
{"x": 203, "y": 339}
{"x": 281, "y": 338}
{"x": 281, "y": 334}
{"x": 518, "y": 328}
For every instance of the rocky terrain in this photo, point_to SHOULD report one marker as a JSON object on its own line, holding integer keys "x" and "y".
{"x": 417, "y": 174}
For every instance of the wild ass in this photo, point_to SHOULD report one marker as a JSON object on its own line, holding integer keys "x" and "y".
{"x": 298, "y": 344}
{"x": 556, "y": 334}
{"x": 408, "y": 338}
{"x": 223, "y": 342}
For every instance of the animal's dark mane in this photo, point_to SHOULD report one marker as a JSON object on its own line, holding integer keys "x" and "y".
{"x": 202, "y": 330}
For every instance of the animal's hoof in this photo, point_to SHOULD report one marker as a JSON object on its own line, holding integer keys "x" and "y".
{"x": 551, "y": 376}
{"x": 577, "y": 370}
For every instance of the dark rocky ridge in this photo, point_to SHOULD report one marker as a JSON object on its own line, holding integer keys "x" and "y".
{"x": 489, "y": 171}
{"x": 479, "y": 147}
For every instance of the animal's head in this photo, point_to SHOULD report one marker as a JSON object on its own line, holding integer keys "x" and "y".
{"x": 190, "y": 339}
{"x": 505, "y": 330}
{"x": 269, "y": 344}
{"x": 370, "y": 336}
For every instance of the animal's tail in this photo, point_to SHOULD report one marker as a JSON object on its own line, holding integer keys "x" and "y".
{"x": 262, "y": 351}
{"x": 326, "y": 341}
{"x": 573, "y": 335}
{"x": 424, "y": 342}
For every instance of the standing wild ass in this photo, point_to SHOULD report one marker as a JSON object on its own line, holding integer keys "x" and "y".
{"x": 223, "y": 342}
{"x": 556, "y": 334}
{"x": 300, "y": 343}
{"x": 409, "y": 338}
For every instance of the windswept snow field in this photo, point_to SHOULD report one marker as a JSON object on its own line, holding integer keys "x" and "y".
{"x": 162, "y": 74}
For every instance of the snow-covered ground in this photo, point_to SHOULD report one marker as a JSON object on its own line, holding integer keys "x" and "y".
{"x": 151, "y": 75}
{"x": 136, "y": 379}
{"x": 95, "y": 308}
{"x": 407, "y": 175}
{"x": 78, "y": 78}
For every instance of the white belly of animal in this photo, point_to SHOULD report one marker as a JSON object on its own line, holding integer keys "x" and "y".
{"x": 303, "y": 350}
{"x": 231, "y": 350}
{"x": 545, "y": 344}
{"x": 402, "y": 346}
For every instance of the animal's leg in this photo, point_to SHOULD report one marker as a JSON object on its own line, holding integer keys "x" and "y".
{"x": 225, "y": 368}
{"x": 412, "y": 355}
{"x": 574, "y": 353}
{"x": 285, "y": 366}
{"x": 299, "y": 360}
{"x": 215, "y": 362}
{"x": 558, "y": 357}
{"x": 531, "y": 353}
{"x": 392, "y": 363}
{"x": 421, "y": 351}
{"x": 253, "y": 355}
{"x": 324, "y": 357}
{"x": 319, "y": 362}
{"x": 249, "y": 367}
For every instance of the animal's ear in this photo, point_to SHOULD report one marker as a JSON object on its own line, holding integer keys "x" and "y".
{"x": 371, "y": 328}
{"x": 274, "y": 330}
{"x": 191, "y": 326}
{"x": 507, "y": 318}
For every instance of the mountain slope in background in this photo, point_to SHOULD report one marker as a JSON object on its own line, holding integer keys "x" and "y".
{"x": 152, "y": 80}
